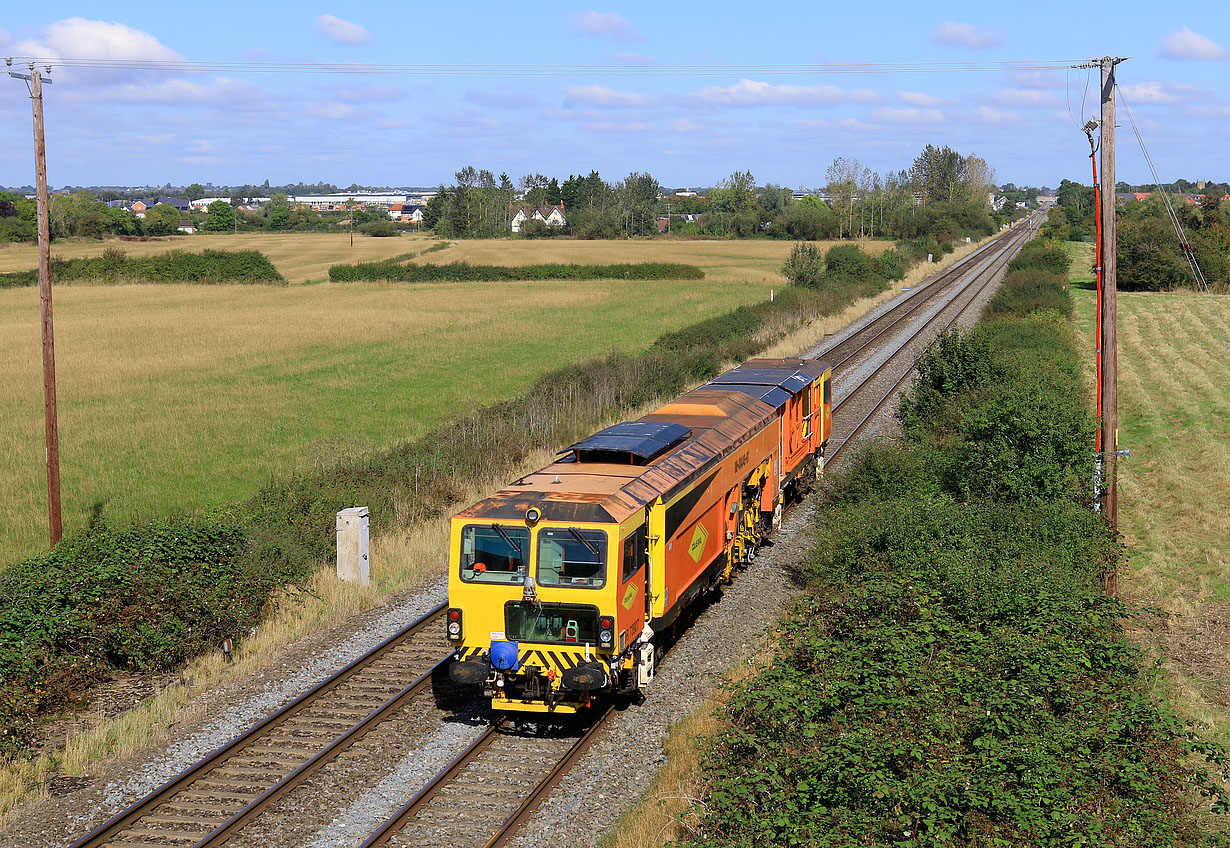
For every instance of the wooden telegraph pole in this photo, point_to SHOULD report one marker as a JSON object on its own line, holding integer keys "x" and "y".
{"x": 1109, "y": 388}
{"x": 54, "y": 526}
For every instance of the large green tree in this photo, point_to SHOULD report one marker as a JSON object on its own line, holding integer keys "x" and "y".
{"x": 220, "y": 217}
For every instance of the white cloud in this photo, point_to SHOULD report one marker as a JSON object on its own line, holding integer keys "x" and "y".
{"x": 1185, "y": 44}
{"x": 599, "y": 95}
{"x": 610, "y": 24}
{"x": 501, "y": 99}
{"x": 988, "y": 115}
{"x": 758, "y": 93}
{"x": 344, "y": 32}
{"x": 1026, "y": 97}
{"x": 369, "y": 94}
{"x": 79, "y": 37}
{"x": 1039, "y": 79}
{"x": 686, "y": 125}
{"x": 233, "y": 94}
{"x": 892, "y": 115}
{"x": 916, "y": 98}
{"x": 966, "y": 35}
{"x": 331, "y": 110}
{"x": 1157, "y": 93}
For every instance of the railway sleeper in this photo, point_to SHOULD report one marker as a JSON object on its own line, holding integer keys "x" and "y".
{"x": 222, "y": 795}
{"x": 175, "y": 821}
{"x": 188, "y": 837}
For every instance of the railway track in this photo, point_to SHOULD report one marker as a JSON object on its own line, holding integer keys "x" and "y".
{"x": 481, "y": 798}
{"x": 964, "y": 295}
{"x": 208, "y": 803}
{"x": 494, "y": 785}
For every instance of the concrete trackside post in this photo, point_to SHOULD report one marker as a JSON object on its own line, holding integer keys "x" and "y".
{"x": 353, "y": 562}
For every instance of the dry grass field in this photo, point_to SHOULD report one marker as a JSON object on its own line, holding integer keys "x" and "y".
{"x": 303, "y": 257}
{"x": 176, "y": 397}
{"x": 751, "y": 260}
{"x": 1174, "y": 492}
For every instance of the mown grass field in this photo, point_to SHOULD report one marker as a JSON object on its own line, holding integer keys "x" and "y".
{"x": 1174, "y": 491}
{"x": 177, "y": 397}
{"x": 303, "y": 257}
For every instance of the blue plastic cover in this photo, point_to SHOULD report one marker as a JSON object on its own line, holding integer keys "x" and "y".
{"x": 505, "y": 655}
{"x": 644, "y": 439}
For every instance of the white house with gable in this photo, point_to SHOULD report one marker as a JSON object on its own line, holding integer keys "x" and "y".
{"x": 552, "y": 216}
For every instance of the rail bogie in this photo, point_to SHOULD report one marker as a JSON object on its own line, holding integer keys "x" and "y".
{"x": 561, "y": 584}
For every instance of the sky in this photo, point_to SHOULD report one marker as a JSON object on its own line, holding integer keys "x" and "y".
{"x": 144, "y": 127}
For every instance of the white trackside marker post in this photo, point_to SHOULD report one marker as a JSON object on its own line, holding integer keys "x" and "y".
{"x": 353, "y": 562}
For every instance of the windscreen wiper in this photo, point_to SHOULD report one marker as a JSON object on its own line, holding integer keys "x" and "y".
{"x": 507, "y": 538}
{"x": 593, "y": 549}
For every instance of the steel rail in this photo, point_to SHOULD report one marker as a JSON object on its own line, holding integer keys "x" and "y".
{"x": 128, "y": 817}
{"x": 522, "y": 814}
{"x": 412, "y": 807}
{"x": 330, "y": 752}
{"x": 862, "y": 424}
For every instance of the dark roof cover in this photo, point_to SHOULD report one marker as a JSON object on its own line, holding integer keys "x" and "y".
{"x": 772, "y": 395}
{"x": 641, "y": 439}
{"x": 791, "y": 379}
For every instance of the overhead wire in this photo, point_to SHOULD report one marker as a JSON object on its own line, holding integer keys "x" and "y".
{"x": 1185, "y": 245}
{"x": 518, "y": 69}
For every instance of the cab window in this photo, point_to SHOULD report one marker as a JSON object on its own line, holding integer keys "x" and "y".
{"x": 571, "y": 557}
{"x": 828, "y": 391}
{"x": 492, "y": 553}
{"x": 635, "y": 553}
{"x": 806, "y": 410}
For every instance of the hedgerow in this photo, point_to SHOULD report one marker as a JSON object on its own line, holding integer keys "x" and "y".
{"x": 456, "y": 272}
{"x": 956, "y": 674}
{"x": 175, "y": 266}
{"x": 150, "y": 596}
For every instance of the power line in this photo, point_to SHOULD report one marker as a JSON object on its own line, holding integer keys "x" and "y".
{"x": 552, "y": 70}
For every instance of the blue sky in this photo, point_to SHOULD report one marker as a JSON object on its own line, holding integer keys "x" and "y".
{"x": 136, "y": 127}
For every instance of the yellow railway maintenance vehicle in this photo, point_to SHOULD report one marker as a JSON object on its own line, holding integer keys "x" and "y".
{"x": 560, "y": 583}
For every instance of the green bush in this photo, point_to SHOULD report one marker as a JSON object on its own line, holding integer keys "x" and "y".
{"x": 175, "y": 266}
{"x": 1031, "y": 290}
{"x": 457, "y": 272}
{"x": 805, "y": 265}
{"x": 1044, "y": 255}
{"x": 379, "y": 229}
{"x": 848, "y": 262}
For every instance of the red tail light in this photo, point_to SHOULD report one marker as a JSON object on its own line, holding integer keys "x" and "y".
{"x": 454, "y": 624}
{"x": 606, "y": 632}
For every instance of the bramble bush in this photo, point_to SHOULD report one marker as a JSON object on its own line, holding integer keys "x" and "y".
{"x": 956, "y": 674}
{"x": 458, "y": 272}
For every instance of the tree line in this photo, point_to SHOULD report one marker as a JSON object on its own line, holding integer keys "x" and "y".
{"x": 943, "y": 194}
{"x": 1149, "y": 254}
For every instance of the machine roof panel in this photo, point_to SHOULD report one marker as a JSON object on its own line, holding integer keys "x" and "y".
{"x": 644, "y": 439}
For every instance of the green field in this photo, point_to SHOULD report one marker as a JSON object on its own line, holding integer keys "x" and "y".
{"x": 1174, "y": 491}
{"x": 178, "y": 397}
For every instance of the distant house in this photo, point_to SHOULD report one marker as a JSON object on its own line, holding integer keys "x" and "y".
{"x": 177, "y": 202}
{"x": 409, "y": 213}
{"x": 552, "y": 216}
{"x": 186, "y": 226}
{"x": 139, "y": 207}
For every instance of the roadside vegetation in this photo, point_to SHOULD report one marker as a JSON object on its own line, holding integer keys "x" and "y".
{"x": 955, "y": 673}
